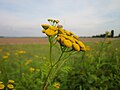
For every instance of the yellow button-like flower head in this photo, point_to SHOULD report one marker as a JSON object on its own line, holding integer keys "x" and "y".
{"x": 67, "y": 32}
{"x": 5, "y": 57}
{"x": 53, "y": 28}
{"x": 50, "y": 32}
{"x": 71, "y": 33}
{"x": 76, "y": 47}
{"x": 61, "y": 31}
{"x": 50, "y": 20}
{"x": 1, "y": 82}
{"x": 76, "y": 37}
{"x": 67, "y": 43}
{"x": 56, "y": 21}
{"x": 81, "y": 44}
{"x": 31, "y": 69}
{"x": 57, "y": 85}
{"x": 70, "y": 38}
{"x": 7, "y": 53}
{"x": 83, "y": 49}
{"x": 45, "y": 26}
{"x": 28, "y": 62}
{"x": 60, "y": 39}
{"x": 21, "y": 52}
{"x": 10, "y": 86}
{"x": 2, "y": 86}
{"x": 11, "y": 81}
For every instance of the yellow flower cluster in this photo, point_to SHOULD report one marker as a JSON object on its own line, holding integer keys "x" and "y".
{"x": 53, "y": 21}
{"x": 57, "y": 85}
{"x": 2, "y": 86}
{"x": 10, "y": 85}
{"x": 6, "y": 55}
{"x": 19, "y": 52}
{"x": 28, "y": 62}
{"x": 51, "y": 31}
{"x": 68, "y": 39}
{"x": 31, "y": 69}
{"x": 0, "y": 49}
{"x": 64, "y": 37}
{"x": 11, "y": 81}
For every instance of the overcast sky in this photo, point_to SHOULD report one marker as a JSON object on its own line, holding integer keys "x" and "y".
{"x": 83, "y": 17}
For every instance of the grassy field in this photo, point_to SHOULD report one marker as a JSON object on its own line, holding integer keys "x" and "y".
{"x": 27, "y": 65}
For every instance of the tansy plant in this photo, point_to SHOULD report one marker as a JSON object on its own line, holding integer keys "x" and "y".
{"x": 68, "y": 43}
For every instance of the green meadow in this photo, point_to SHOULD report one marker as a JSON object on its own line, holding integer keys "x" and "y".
{"x": 27, "y": 65}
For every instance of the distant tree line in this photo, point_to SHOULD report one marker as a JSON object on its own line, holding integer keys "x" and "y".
{"x": 1, "y": 36}
{"x": 109, "y": 34}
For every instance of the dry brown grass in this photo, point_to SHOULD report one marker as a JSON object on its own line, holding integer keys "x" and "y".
{"x": 43, "y": 40}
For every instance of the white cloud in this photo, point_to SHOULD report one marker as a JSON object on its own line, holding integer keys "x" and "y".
{"x": 85, "y": 17}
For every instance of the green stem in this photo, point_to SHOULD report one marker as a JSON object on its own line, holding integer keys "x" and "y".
{"x": 58, "y": 59}
{"x": 51, "y": 54}
{"x": 45, "y": 83}
{"x": 46, "y": 80}
{"x": 64, "y": 59}
{"x": 101, "y": 47}
{"x": 58, "y": 68}
{"x": 66, "y": 56}
{"x": 50, "y": 41}
{"x": 100, "y": 51}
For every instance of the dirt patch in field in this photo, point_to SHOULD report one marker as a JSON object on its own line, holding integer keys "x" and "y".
{"x": 43, "y": 40}
{"x": 23, "y": 40}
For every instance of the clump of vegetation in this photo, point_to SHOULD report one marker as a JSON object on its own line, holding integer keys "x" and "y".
{"x": 69, "y": 44}
{"x": 111, "y": 35}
